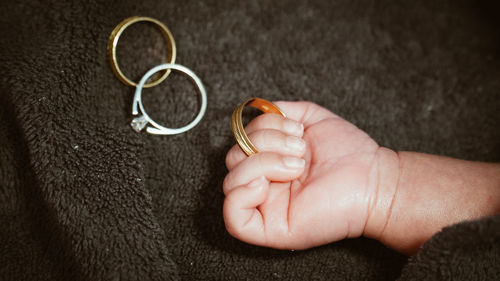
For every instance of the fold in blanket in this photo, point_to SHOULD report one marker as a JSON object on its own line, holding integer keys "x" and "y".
{"x": 84, "y": 197}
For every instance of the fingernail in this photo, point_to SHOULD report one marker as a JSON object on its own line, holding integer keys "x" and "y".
{"x": 293, "y": 127}
{"x": 257, "y": 182}
{"x": 295, "y": 143}
{"x": 294, "y": 162}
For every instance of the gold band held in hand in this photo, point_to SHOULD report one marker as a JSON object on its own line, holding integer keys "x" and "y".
{"x": 113, "y": 41}
{"x": 237, "y": 123}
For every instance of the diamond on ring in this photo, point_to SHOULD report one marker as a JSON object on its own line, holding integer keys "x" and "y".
{"x": 139, "y": 123}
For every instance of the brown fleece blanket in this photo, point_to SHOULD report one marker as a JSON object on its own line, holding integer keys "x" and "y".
{"x": 84, "y": 197}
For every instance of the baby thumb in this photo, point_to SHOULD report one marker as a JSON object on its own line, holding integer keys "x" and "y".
{"x": 242, "y": 218}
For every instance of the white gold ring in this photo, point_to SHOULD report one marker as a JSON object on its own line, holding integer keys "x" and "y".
{"x": 143, "y": 120}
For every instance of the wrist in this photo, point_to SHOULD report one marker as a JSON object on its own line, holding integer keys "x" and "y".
{"x": 383, "y": 181}
{"x": 418, "y": 194}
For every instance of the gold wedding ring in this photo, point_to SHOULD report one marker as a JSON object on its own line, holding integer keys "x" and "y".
{"x": 113, "y": 41}
{"x": 237, "y": 123}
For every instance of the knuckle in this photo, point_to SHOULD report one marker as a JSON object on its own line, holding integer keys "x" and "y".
{"x": 230, "y": 159}
{"x": 266, "y": 139}
{"x": 234, "y": 156}
{"x": 265, "y": 160}
{"x": 225, "y": 184}
{"x": 263, "y": 121}
{"x": 258, "y": 138}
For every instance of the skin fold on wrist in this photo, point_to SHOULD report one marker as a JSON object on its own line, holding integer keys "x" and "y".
{"x": 418, "y": 194}
{"x": 383, "y": 181}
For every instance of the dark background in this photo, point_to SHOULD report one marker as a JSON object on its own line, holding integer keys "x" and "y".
{"x": 85, "y": 197}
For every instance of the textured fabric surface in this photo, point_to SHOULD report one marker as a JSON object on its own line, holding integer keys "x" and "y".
{"x": 83, "y": 197}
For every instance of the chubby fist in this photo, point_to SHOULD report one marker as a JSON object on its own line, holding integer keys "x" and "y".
{"x": 313, "y": 181}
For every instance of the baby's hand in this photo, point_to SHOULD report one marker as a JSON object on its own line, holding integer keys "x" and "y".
{"x": 312, "y": 182}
